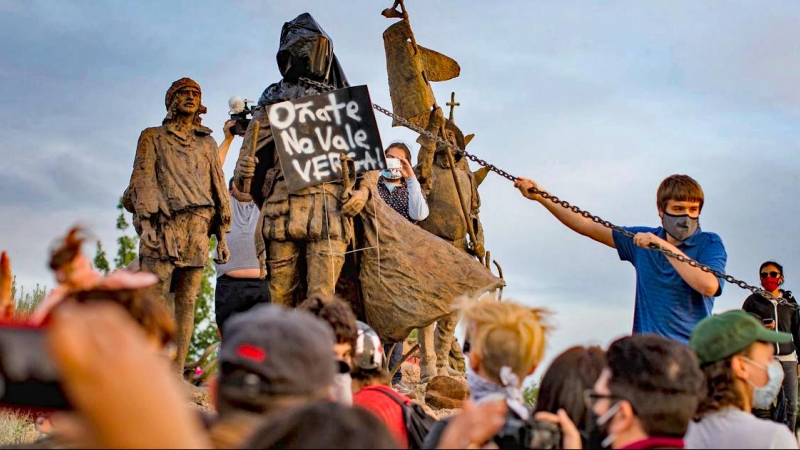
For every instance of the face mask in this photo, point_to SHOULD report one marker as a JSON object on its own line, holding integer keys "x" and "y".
{"x": 342, "y": 389}
{"x": 392, "y": 174}
{"x": 764, "y": 395}
{"x": 680, "y": 227}
{"x": 598, "y": 434}
{"x": 770, "y": 284}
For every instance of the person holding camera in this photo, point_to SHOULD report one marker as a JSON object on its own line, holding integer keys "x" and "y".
{"x": 565, "y": 381}
{"x": 779, "y": 316}
{"x": 399, "y": 188}
{"x": 398, "y": 185}
{"x": 505, "y": 343}
{"x": 645, "y": 396}
{"x": 239, "y": 284}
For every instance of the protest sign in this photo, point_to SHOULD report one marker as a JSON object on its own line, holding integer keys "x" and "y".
{"x": 311, "y": 132}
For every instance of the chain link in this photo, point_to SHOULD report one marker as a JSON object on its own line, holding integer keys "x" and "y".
{"x": 563, "y": 203}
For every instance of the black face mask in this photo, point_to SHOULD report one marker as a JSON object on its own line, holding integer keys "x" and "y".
{"x": 598, "y": 432}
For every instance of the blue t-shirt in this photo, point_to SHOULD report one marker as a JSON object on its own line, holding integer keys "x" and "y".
{"x": 665, "y": 304}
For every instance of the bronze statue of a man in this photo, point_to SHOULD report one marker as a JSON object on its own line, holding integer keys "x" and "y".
{"x": 179, "y": 198}
{"x": 310, "y": 228}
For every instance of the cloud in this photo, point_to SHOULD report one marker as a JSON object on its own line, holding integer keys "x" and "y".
{"x": 597, "y": 102}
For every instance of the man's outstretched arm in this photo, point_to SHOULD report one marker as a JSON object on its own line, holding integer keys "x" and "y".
{"x": 572, "y": 220}
{"x": 705, "y": 283}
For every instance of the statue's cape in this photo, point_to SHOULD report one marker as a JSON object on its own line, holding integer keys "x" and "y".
{"x": 409, "y": 277}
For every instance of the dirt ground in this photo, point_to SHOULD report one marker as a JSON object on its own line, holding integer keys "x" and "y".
{"x": 411, "y": 379}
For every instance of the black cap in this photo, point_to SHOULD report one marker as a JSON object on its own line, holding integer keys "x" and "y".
{"x": 290, "y": 351}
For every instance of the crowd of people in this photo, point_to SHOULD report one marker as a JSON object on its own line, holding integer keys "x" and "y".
{"x": 316, "y": 377}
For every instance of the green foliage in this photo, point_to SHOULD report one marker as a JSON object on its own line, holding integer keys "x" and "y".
{"x": 530, "y": 393}
{"x": 100, "y": 259}
{"x": 26, "y": 302}
{"x": 16, "y": 428}
{"x": 127, "y": 246}
{"x": 205, "y": 325}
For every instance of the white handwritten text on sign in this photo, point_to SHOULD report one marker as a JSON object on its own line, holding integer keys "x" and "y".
{"x": 311, "y": 132}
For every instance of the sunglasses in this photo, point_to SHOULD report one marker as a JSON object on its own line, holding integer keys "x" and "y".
{"x": 772, "y": 274}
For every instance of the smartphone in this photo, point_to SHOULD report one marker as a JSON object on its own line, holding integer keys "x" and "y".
{"x": 393, "y": 163}
{"x": 28, "y": 377}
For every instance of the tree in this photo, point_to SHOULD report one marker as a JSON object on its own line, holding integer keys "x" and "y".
{"x": 205, "y": 326}
{"x": 26, "y": 302}
{"x": 126, "y": 245}
{"x": 100, "y": 260}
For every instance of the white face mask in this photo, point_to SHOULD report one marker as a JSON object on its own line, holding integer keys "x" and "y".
{"x": 342, "y": 389}
{"x": 764, "y": 395}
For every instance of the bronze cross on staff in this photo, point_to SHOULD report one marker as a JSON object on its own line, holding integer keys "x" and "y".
{"x": 452, "y": 104}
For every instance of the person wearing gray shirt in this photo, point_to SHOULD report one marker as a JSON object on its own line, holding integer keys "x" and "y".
{"x": 239, "y": 287}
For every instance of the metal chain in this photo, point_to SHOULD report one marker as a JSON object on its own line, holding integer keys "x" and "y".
{"x": 563, "y": 203}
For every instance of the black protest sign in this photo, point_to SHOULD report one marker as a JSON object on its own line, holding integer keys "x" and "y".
{"x": 311, "y": 132}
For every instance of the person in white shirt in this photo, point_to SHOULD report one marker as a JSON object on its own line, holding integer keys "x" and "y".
{"x": 400, "y": 189}
{"x": 737, "y": 355}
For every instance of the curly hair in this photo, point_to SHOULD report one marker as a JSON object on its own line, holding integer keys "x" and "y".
{"x": 148, "y": 311}
{"x": 721, "y": 389}
{"x": 336, "y": 313}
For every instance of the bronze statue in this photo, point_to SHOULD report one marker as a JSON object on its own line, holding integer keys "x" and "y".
{"x": 449, "y": 185}
{"x": 179, "y": 198}
{"x": 308, "y": 230}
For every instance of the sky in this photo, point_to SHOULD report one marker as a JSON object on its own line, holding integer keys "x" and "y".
{"x": 596, "y": 101}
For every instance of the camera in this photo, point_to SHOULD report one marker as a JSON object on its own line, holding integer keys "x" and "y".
{"x": 239, "y": 112}
{"x": 523, "y": 434}
{"x": 29, "y": 379}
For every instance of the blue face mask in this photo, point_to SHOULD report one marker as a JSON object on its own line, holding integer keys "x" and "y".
{"x": 764, "y": 395}
{"x": 391, "y": 174}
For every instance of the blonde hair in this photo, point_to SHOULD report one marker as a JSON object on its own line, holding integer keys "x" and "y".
{"x": 506, "y": 334}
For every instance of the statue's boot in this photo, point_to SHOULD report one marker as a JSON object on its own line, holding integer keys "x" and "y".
{"x": 427, "y": 356}
{"x": 444, "y": 338}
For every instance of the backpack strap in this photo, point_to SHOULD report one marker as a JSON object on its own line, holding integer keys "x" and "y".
{"x": 392, "y": 396}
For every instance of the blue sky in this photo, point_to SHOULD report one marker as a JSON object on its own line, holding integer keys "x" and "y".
{"x": 598, "y": 101}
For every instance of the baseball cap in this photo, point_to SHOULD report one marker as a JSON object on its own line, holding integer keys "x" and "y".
{"x": 290, "y": 351}
{"x": 718, "y": 337}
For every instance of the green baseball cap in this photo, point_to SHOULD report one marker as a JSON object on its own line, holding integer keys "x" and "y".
{"x": 718, "y": 337}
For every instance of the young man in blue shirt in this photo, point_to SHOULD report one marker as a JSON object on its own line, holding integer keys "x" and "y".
{"x": 671, "y": 296}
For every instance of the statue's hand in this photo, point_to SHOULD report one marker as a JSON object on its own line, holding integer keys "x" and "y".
{"x": 246, "y": 166}
{"x": 356, "y": 203}
{"x": 223, "y": 254}
{"x": 149, "y": 237}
